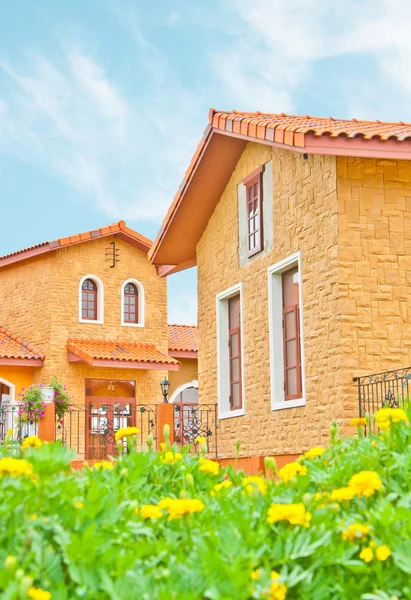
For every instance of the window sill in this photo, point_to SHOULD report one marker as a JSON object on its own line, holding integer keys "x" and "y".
{"x": 91, "y": 322}
{"x": 232, "y": 413}
{"x": 288, "y": 404}
{"x": 132, "y": 324}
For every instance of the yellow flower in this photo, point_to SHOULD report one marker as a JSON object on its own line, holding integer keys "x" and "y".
{"x": 163, "y": 445}
{"x": 103, "y": 465}
{"x": 383, "y": 552}
{"x": 9, "y": 432}
{"x": 314, "y": 452}
{"x": 34, "y": 517}
{"x": 278, "y": 591}
{"x": 177, "y": 507}
{"x": 289, "y": 471}
{"x": 358, "y": 421}
{"x": 38, "y": 594}
{"x": 209, "y": 466}
{"x": 224, "y": 485}
{"x": 32, "y": 441}
{"x": 151, "y": 511}
{"x": 293, "y": 513}
{"x": 79, "y": 505}
{"x": 386, "y": 416}
{"x": 367, "y": 555}
{"x": 344, "y": 493}
{"x": 126, "y": 432}
{"x": 254, "y": 482}
{"x": 200, "y": 440}
{"x": 15, "y": 467}
{"x": 365, "y": 483}
{"x": 355, "y": 531}
{"x": 255, "y": 574}
{"x": 170, "y": 458}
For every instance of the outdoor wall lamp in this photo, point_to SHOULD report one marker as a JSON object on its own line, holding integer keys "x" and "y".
{"x": 165, "y": 384}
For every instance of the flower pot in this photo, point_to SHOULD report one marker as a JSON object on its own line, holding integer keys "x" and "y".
{"x": 47, "y": 394}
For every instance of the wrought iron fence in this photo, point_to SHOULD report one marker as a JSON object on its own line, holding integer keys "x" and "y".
{"x": 389, "y": 388}
{"x": 192, "y": 421}
{"x": 9, "y": 420}
{"x": 90, "y": 429}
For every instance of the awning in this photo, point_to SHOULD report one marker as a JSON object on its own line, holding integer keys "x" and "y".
{"x": 15, "y": 352}
{"x": 119, "y": 354}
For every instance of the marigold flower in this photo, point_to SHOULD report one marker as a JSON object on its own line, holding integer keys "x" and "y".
{"x": 79, "y": 505}
{"x": 278, "y": 591}
{"x": 209, "y": 466}
{"x": 200, "y": 440}
{"x": 255, "y": 482}
{"x": 38, "y": 594}
{"x": 170, "y": 458}
{"x": 367, "y": 555}
{"x": 9, "y": 432}
{"x": 163, "y": 445}
{"x": 383, "y": 552}
{"x": 344, "y": 493}
{"x": 314, "y": 452}
{"x": 255, "y": 575}
{"x": 386, "y": 416}
{"x": 32, "y": 441}
{"x": 358, "y": 421}
{"x": 15, "y": 467}
{"x": 365, "y": 483}
{"x": 177, "y": 507}
{"x": 355, "y": 531}
{"x": 224, "y": 485}
{"x": 103, "y": 465}
{"x": 151, "y": 511}
{"x": 293, "y": 513}
{"x": 290, "y": 470}
{"x": 125, "y": 432}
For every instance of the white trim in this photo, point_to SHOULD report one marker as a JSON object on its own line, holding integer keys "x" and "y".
{"x": 222, "y": 357}
{"x": 100, "y": 300}
{"x": 12, "y": 390}
{"x": 141, "y": 302}
{"x": 276, "y": 333}
{"x": 185, "y": 386}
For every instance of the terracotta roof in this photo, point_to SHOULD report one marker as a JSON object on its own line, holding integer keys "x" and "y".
{"x": 221, "y": 146}
{"x": 183, "y": 338}
{"x": 119, "y": 229}
{"x": 118, "y": 351}
{"x": 13, "y": 347}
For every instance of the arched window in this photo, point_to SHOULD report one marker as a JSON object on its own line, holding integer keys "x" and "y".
{"x": 132, "y": 303}
{"x": 91, "y": 300}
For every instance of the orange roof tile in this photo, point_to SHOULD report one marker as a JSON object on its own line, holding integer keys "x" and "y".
{"x": 118, "y": 351}
{"x": 225, "y": 138}
{"x": 183, "y": 338}
{"x": 120, "y": 229}
{"x": 12, "y": 346}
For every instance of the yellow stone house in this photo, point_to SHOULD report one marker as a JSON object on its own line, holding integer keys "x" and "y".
{"x": 301, "y": 231}
{"x": 91, "y": 310}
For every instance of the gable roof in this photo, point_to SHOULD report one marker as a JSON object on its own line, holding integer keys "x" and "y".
{"x": 183, "y": 341}
{"x": 221, "y": 147}
{"x": 119, "y": 229}
{"x": 15, "y": 351}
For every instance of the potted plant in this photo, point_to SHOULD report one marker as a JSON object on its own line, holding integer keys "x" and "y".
{"x": 31, "y": 405}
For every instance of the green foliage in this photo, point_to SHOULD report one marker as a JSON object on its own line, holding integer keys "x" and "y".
{"x": 78, "y": 534}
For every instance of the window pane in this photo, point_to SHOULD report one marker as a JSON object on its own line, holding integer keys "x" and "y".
{"x": 290, "y": 287}
{"x": 132, "y": 300}
{"x": 235, "y": 369}
{"x": 291, "y": 382}
{"x": 234, "y": 309}
{"x": 291, "y": 353}
{"x": 290, "y": 324}
{"x": 235, "y": 395}
{"x": 234, "y": 344}
{"x": 90, "y": 314}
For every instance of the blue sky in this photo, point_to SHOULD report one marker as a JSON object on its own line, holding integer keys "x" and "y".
{"x": 102, "y": 103}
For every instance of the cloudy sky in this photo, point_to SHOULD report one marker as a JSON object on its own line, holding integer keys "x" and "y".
{"x": 103, "y": 102}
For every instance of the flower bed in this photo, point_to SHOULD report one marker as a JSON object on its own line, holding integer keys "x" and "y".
{"x": 169, "y": 525}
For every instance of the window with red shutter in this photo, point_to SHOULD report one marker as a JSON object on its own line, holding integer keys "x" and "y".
{"x": 291, "y": 334}
{"x": 234, "y": 345}
{"x": 254, "y": 213}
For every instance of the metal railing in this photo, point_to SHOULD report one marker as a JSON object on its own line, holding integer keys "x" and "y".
{"x": 10, "y": 420}
{"x": 389, "y": 388}
{"x": 192, "y": 421}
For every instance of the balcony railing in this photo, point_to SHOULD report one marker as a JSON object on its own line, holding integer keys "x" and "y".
{"x": 389, "y": 388}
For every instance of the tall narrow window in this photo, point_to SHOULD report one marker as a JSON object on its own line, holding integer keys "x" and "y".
{"x": 234, "y": 345}
{"x": 89, "y": 300}
{"x": 291, "y": 334}
{"x": 130, "y": 306}
{"x": 254, "y": 214}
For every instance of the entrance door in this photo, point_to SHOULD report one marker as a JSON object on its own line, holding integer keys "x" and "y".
{"x": 104, "y": 416}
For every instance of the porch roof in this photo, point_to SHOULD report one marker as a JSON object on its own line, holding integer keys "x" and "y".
{"x": 183, "y": 341}
{"x": 119, "y": 354}
{"x": 14, "y": 351}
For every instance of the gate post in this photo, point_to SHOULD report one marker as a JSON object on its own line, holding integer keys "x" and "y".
{"x": 47, "y": 424}
{"x": 165, "y": 416}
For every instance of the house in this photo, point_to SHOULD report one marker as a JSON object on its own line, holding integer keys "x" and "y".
{"x": 301, "y": 231}
{"x": 91, "y": 310}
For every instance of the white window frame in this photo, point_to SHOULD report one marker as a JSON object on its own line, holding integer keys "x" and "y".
{"x": 275, "y": 317}
{"x": 223, "y": 367}
{"x": 141, "y": 302}
{"x": 100, "y": 300}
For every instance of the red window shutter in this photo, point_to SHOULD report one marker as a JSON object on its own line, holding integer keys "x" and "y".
{"x": 291, "y": 335}
{"x": 234, "y": 352}
{"x": 254, "y": 211}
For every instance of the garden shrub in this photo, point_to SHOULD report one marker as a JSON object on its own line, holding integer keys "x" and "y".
{"x": 170, "y": 525}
